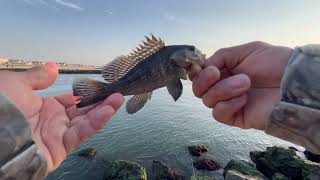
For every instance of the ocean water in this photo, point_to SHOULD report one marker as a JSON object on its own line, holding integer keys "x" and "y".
{"x": 161, "y": 131}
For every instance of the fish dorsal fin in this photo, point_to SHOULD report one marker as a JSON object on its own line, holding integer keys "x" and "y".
{"x": 121, "y": 65}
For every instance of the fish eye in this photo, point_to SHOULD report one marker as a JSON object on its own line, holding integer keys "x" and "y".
{"x": 191, "y": 48}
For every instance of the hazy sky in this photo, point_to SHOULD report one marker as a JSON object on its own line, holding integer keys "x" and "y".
{"x": 96, "y": 31}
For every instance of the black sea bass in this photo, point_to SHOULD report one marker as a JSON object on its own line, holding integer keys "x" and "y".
{"x": 151, "y": 66}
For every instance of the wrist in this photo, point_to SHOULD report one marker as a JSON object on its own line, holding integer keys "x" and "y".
{"x": 295, "y": 115}
{"x": 18, "y": 156}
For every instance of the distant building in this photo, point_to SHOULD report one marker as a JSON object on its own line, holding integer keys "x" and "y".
{"x": 15, "y": 61}
{"x": 3, "y": 60}
{"x": 62, "y": 64}
{"x": 37, "y": 63}
{"x": 29, "y": 63}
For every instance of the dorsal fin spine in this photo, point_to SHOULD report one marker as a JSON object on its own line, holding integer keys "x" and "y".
{"x": 123, "y": 64}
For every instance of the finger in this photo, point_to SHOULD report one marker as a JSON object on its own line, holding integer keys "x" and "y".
{"x": 73, "y": 111}
{"x": 206, "y": 78}
{"x": 217, "y": 59}
{"x": 40, "y": 77}
{"x": 193, "y": 71}
{"x": 86, "y": 126}
{"x": 229, "y": 112}
{"x": 67, "y": 100}
{"x": 226, "y": 89}
{"x": 232, "y": 56}
{"x": 115, "y": 100}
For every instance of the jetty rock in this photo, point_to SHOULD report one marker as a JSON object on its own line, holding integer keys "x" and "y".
{"x": 311, "y": 156}
{"x": 242, "y": 169}
{"x": 206, "y": 164}
{"x": 88, "y": 152}
{"x": 277, "y": 160}
{"x": 163, "y": 172}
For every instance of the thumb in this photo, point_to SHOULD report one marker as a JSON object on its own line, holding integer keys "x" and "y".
{"x": 42, "y": 76}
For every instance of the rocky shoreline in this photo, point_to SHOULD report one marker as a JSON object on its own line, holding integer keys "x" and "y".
{"x": 275, "y": 163}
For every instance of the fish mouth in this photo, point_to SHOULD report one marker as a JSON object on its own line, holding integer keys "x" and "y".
{"x": 186, "y": 57}
{"x": 194, "y": 57}
{"x": 197, "y": 57}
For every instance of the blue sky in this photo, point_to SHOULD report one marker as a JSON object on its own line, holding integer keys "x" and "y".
{"x": 96, "y": 31}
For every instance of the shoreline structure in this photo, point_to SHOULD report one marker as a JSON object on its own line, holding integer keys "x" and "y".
{"x": 62, "y": 69}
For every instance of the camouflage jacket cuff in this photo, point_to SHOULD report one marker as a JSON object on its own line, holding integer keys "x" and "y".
{"x": 296, "y": 118}
{"x": 18, "y": 156}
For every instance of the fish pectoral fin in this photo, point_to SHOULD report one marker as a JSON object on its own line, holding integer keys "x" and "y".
{"x": 175, "y": 89}
{"x": 137, "y": 102}
{"x": 182, "y": 73}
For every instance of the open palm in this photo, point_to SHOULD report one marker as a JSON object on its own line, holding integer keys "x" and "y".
{"x": 58, "y": 127}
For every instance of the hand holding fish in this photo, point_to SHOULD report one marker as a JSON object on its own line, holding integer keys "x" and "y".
{"x": 241, "y": 84}
{"x": 58, "y": 127}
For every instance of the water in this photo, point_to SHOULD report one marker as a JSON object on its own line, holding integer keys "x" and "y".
{"x": 162, "y": 130}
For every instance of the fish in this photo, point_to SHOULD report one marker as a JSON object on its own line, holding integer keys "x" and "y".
{"x": 152, "y": 65}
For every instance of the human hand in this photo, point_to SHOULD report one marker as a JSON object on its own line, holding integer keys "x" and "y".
{"x": 58, "y": 127}
{"x": 241, "y": 84}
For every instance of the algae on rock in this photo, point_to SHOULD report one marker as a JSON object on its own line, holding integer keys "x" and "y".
{"x": 125, "y": 170}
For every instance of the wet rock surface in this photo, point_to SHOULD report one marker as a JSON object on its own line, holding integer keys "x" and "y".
{"x": 279, "y": 176}
{"x": 311, "y": 156}
{"x": 206, "y": 164}
{"x": 197, "y": 150}
{"x": 88, "y": 152}
{"x": 243, "y": 167}
{"x": 201, "y": 178}
{"x": 279, "y": 163}
{"x": 235, "y": 175}
{"x": 163, "y": 172}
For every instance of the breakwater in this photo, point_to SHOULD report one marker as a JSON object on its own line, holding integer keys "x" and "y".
{"x": 62, "y": 69}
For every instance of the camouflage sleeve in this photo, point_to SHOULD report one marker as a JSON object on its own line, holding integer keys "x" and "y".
{"x": 296, "y": 117}
{"x": 18, "y": 155}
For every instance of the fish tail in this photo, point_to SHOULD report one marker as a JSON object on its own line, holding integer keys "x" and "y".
{"x": 90, "y": 91}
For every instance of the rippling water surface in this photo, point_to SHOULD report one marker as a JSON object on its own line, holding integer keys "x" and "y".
{"x": 162, "y": 130}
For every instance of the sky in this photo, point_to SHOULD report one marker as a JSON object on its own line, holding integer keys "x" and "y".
{"x": 97, "y": 31}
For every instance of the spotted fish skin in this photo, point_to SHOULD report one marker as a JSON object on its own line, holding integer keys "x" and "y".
{"x": 141, "y": 73}
{"x": 152, "y": 73}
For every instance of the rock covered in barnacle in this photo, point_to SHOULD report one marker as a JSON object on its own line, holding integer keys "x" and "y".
{"x": 197, "y": 150}
{"x": 88, "y": 152}
{"x": 206, "y": 164}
